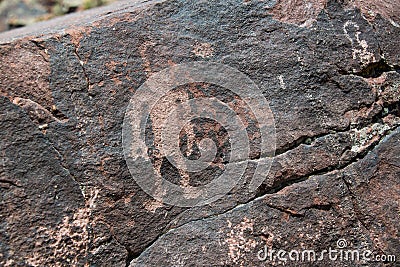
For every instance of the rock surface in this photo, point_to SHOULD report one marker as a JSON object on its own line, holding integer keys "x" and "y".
{"x": 329, "y": 69}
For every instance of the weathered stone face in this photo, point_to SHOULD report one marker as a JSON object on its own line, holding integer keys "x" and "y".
{"x": 329, "y": 72}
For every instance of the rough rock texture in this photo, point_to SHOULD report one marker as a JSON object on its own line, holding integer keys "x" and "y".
{"x": 330, "y": 71}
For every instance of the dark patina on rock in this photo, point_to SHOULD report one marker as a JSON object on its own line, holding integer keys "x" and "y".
{"x": 330, "y": 72}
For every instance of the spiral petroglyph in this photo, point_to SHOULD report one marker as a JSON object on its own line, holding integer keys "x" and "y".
{"x": 190, "y": 131}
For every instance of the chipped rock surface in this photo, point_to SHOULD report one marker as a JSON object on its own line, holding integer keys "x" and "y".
{"x": 330, "y": 71}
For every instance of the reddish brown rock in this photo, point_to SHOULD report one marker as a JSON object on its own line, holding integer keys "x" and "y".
{"x": 68, "y": 198}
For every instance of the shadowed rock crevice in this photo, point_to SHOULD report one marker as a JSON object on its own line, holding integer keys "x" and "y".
{"x": 81, "y": 63}
{"x": 373, "y": 70}
{"x": 8, "y": 182}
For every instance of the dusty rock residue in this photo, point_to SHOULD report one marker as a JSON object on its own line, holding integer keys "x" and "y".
{"x": 305, "y": 12}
